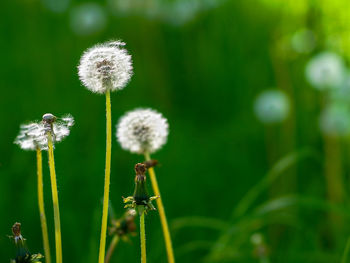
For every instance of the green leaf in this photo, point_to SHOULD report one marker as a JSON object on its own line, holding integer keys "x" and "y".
{"x": 277, "y": 170}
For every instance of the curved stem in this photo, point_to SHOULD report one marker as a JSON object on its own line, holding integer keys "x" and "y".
{"x": 111, "y": 248}
{"x": 107, "y": 178}
{"x": 143, "y": 237}
{"x": 165, "y": 227}
{"x": 56, "y": 210}
{"x": 41, "y": 206}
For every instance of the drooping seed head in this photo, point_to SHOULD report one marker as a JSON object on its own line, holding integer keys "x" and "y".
{"x": 106, "y": 66}
{"x": 142, "y": 130}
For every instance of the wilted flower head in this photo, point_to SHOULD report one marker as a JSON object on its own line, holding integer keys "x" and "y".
{"x": 34, "y": 135}
{"x": 335, "y": 120}
{"x": 105, "y": 67}
{"x": 124, "y": 225}
{"x": 272, "y": 106}
{"x": 142, "y": 130}
{"x": 325, "y": 70}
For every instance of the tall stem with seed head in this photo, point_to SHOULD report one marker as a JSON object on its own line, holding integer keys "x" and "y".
{"x": 56, "y": 209}
{"x": 107, "y": 178}
{"x": 41, "y": 206}
{"x": 165, "y": 227}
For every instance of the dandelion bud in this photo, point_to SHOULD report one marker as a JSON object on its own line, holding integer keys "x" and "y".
{"x": 140, "y": 194}
{"x": 325, "y": 70}
{"x": 124, "y": 225}
{"x": 140, "y": 199}
{"x": 142, "y": 130}
{"x": 22, "y": 253}
{"x": 16, "y": 231}
{"x": 105, "y": 66}
{"x": 272, "y": 106}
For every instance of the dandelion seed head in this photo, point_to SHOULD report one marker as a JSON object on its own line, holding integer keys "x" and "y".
{"x": 257, "y": 239}
{"x": 335, "y": 120}
{"x": 106, "y": 66}
{"x": 342, "y": 93}
{"x": 31, "y": 136}
{"x": 272, "y": 106}
{"x": 325, "y": 71}
{"x": 88, "y": 18}
{"x": 303, "y": 41}
{"x": 34, "y": 135}
{"x": 142, "y": 130}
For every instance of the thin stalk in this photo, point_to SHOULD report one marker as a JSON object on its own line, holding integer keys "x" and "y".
{"x": 101, "y": 258}
{"x": 111, "y": 248}
{"x": 41, "y": 206}
{"x": 143, "y": 237}
{"x": 56, "y": 210}
{"x": 163, "y": 220}
{"x": 346, "y": 252}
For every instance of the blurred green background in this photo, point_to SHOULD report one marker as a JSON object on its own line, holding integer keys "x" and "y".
{"x": 202, "y": 64}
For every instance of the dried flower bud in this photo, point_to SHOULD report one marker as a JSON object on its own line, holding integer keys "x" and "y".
{"x": 16, "y": 231}
{"x": 22, "y": 253}
{"x": 105, "y": 66}
{"x": 142, "y": 130}
{"x": 140, "y": 199}
{"x": 124, "y": 225}
{"x": 150, "y": 163}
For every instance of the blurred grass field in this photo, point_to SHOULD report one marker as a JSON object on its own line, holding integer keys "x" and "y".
{"x": 240, "y": 182}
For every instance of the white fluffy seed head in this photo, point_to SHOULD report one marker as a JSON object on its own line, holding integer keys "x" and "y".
{"x": 272, "y": 106}
{"x": 335, "y": 121}
{"x": 325, "y": 71}
{"x": 106, "y": 66}
{"x": 34, "y": 135}
{"x": 31, "y": 136}
{"x": 142, "y": 130}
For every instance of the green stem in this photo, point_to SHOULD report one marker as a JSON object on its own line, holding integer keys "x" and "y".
{"x": 56, "y": 209}
{"x": 41, "y": 206}
{"x": 107, "y": 178}
{"x": 111, "y": 248}
{"x": 161, "y": 210}
{"x": 346, "y": 252}
{"x": 143, "y": 237}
